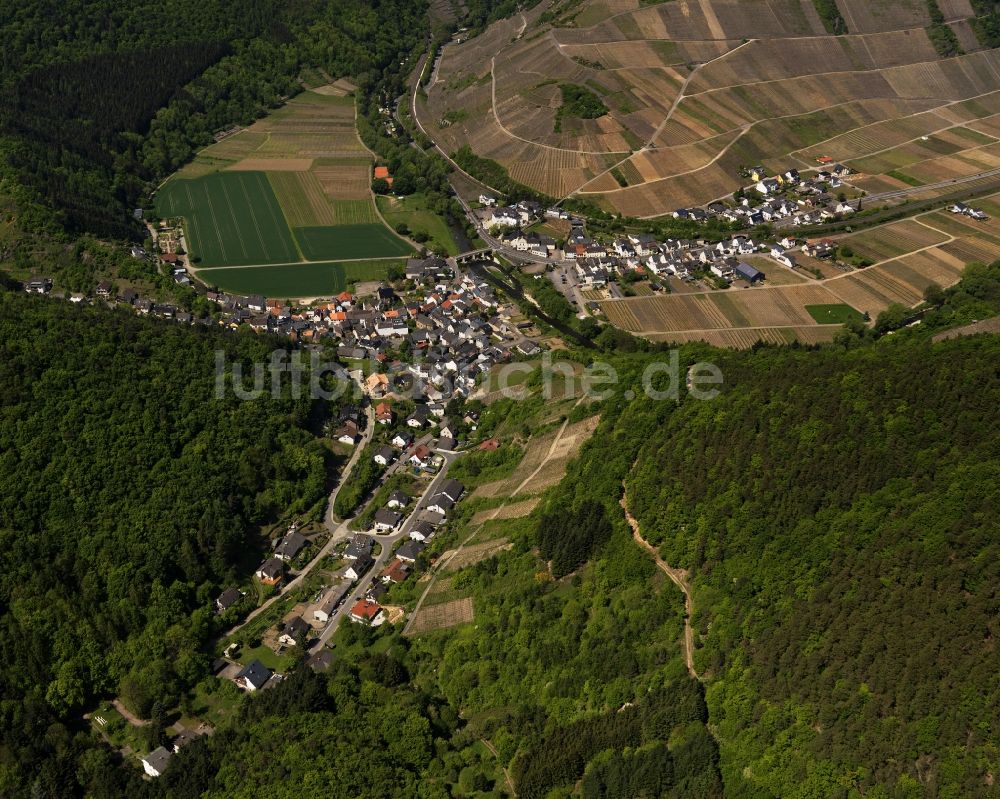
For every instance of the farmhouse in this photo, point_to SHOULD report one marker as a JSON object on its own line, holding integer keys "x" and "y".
{"x": 156, "y": 762}
{"x": 361, "y": 564}
{"x": 410, "y": 551}
{"x": 294, "y": 631}
{"x": 227, "y": 599}
{"x": 749, "y": 273}
{"x": 360, "y": 545}
{"x": 421, "y": 457}
{"x": 384, "y": 456}
{"x": 386, "y": 520}
{"x": 395, "y": 572}
{"x": 291, "y": 545}
{"x": 398, "y": 499}
{"x": 422, "y": 531}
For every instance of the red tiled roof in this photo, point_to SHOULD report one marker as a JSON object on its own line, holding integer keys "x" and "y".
{"x": 366, "y": 609}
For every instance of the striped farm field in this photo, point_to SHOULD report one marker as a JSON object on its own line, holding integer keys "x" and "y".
{"x": 344, "y": 180}
{"x": 296, "y": 280}
{"x": 350, "y": 242}
{"x": 301, "y": 198}
{"x": 741, "y": 339}
{"x": 230, "y": 218}
{"x": 354, "y": 212}
{"x": 891, "y": 241}
{"x": 294, "y": 187}
{"x": 784, "y": 306}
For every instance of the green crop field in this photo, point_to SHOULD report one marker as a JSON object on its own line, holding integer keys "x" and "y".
{"x": 297, "y": 280}
{"x": 354, "y": 212}
{"x": 231, "y": 218}
{"x": 837, "y": 314}
{"x": 350, "y": 242}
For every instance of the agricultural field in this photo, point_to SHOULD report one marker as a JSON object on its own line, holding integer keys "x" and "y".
{"x": 694, "y": 90}
{"x": 891, "y": 241}
{"x": 320, "y": 279}
{"x": 442, "y": 616}
{"x": 544, "y": 463}
{"x": 231, "y": 218}
{"x": 289, "y": 198}
{"x": 833, "y": 314}
{"x": 350, "y": 242}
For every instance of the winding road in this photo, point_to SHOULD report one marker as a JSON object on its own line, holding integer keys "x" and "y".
{"x": 338, "y": 531}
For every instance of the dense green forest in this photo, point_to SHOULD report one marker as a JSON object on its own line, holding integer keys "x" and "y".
{"x": 838, "y": 513}
{"x": 129, "y": 496}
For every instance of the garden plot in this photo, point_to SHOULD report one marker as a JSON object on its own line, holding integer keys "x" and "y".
{"x": 442, "y": 616}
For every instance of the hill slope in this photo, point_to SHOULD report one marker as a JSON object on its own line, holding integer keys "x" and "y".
{"x": 698, "y": 88}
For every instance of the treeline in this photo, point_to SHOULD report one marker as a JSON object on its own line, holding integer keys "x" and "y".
{"x": 940, "y": 33}
{"x": 833, "y": 20}
{"x": 85, "y": 161}
{"x": 129, "y": 497}
{"x": 558, "y": 756}
{"x": 496, "y": 176}
{"x": 986, "y": 23}
{"x": 85, "y": 81}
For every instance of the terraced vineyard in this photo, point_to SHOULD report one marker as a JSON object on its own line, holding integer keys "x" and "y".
{"x": 933, "y": 248}
{"x": 695, "y": 89}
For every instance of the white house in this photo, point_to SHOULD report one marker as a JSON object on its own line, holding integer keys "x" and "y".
{"x": 156, "y": 762}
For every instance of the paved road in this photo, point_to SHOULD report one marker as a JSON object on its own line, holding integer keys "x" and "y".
{"x": 388, "y": 542}
{"x": 338, "y": 530}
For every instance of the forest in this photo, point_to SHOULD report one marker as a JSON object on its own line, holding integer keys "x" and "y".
{"x": 818, "y": 504}
{"x": 129, "y": 496}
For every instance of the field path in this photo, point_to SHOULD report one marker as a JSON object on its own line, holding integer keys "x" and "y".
{"x": 506, "y": 774}
{"x": 679, "y": 577}
{"x": 128, "y": 715}
{"x": 651, "y": 142}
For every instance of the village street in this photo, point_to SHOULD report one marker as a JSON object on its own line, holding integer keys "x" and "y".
{"x": 387, "y": 542}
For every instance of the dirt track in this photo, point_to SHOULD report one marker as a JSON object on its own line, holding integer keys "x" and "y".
{"x": 679, "y": 578}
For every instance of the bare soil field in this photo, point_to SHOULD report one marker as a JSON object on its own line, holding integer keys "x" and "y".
{"x": 349, "y": 181}
{"x": 442, "y": 616}
{"x": 542, "y": 466}
{"x": 512, "y": 510}
{"x": 473, "y": 554}
{"x": 273, "y": 165}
